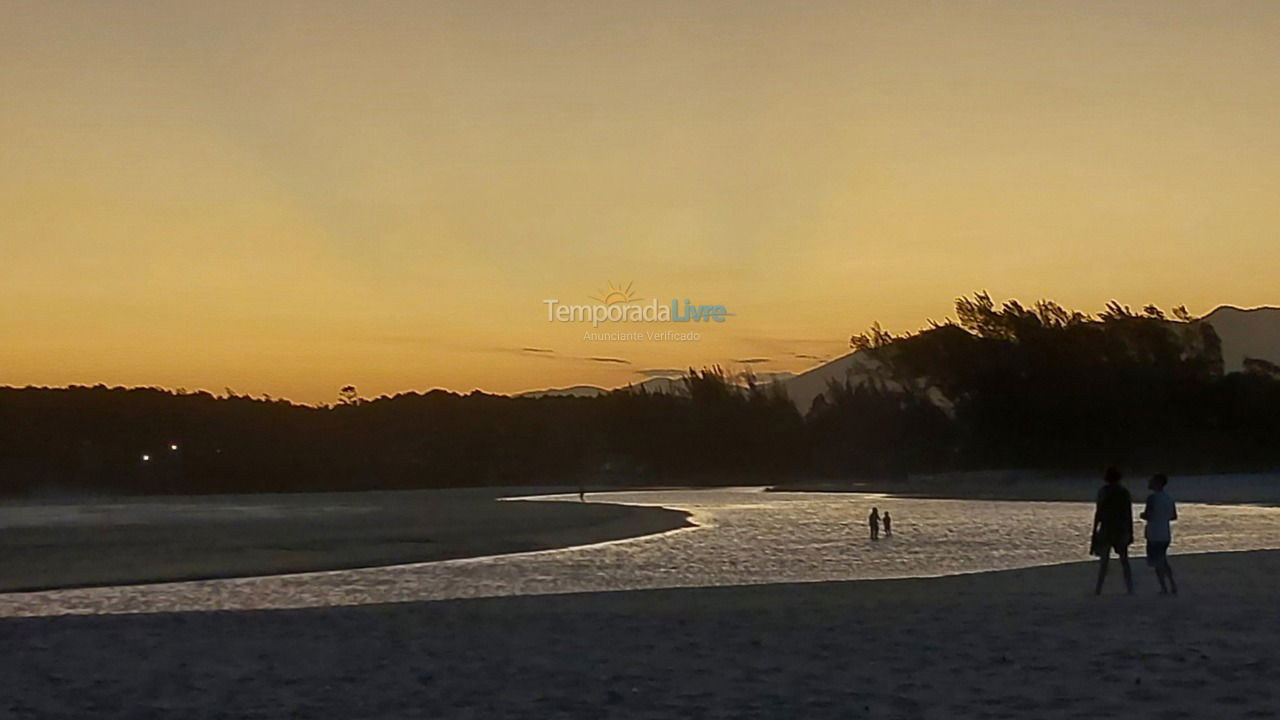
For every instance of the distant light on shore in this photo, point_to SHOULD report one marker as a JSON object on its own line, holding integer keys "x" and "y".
{"x": 146, "y": 458}
{"x": 173, "y": 446}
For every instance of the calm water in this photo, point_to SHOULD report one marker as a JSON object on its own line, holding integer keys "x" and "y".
{"x": 744, "y": 536}
{"x": 170, "y": 511}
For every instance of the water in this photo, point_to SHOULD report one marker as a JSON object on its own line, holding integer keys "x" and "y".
{"x": 743, "y": 536}
{"x": 170, "y": 511}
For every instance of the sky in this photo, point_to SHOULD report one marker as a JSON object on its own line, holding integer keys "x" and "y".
{"x": 289, "y": 197}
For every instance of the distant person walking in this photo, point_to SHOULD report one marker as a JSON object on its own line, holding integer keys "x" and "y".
{"x": 874, "y": 521}
{"x": 582, "y": 494}
{"x": 1113, "y": 528}
{"x": 888, "y": 524}
{"x": 1160, "y": 511}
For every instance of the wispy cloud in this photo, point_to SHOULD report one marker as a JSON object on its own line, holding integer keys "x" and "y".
{"x": 618, "y": 361}
{"x": 752, "y": 360}
{"x": 525, "y": 351}
{"x": 661, "y": 372}
{"x": 784, "y": 349}
{"x": 785, "y": 342}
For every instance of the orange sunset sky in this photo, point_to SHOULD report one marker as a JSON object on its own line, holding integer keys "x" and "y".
{"x": 286, "y": 197}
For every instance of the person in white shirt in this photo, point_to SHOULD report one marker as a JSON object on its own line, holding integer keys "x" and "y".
{"x": 1160, "y": 511}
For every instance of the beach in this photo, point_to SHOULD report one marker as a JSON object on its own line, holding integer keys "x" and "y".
{"x": 1011, "y": 644}
{"x": 101, "y": 541}
{"x": 745, "y": 607}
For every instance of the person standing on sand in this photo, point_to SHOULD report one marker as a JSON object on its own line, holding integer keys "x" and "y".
{"x": 1113, "y": 528}
{"x": 874, "y": 521}
{"x": 582, "y": 494}
{"x": 1160, "y": 511}
{"x": 888, "y": 524}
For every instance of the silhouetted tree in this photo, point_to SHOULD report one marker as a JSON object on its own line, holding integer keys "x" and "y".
{"x": 1007, "y": 386}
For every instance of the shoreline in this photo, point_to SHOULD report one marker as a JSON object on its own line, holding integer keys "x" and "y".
{"x": 296, "y": 535}
{"x": 1015, "y": 643}
{"x": 1225, "y": 489}
{"x": 149, "y": 541}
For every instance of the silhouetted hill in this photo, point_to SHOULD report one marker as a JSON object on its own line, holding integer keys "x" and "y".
{"x": 851, "y": 368}
{"x": 662, "y": 385}
{"x": 658, "y": 385}
{"x": 572, "y": 391}
{"x": 1245, "y": 334}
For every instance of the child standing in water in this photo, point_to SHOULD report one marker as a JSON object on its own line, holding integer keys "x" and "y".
{"x": 888, "y": 524}
{"x": 1160, "y": 511}
{"x": 874, "y": 521}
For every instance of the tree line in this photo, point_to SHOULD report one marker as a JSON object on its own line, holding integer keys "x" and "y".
{"x": 998, "y": 387}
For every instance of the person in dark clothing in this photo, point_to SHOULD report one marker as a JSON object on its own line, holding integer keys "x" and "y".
{"x": 888, "y": 524}
{"x": 874, "y": 521}
{"x": 1113, "y": 528}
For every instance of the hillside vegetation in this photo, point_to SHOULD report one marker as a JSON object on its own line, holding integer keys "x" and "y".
{"x": 998, "y": 387}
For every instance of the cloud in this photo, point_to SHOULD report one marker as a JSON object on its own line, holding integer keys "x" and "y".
{"x": 526, "y": 351}
{"x": 618, "y": 361}
{"x": 783, "y": 342}
{"x": 788, "y": 348}
{"x": 661, "y": 372}
{"x": 752, "y": 360}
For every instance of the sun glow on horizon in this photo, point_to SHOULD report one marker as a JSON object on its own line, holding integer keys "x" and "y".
{"x": 289, "y": 198}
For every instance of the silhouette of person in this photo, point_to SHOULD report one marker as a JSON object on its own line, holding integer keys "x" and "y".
{"x": 1113, "y": 528}
{"x": 1160, "y": 511}
{"x": 874, "y": 521}
{"x": 888, "y": 524}
{"x": 582, "y": 494}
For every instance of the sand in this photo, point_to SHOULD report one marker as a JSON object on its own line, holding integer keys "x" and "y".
{"x": 1016, "y": 644}
{"x": 104, "y": 541}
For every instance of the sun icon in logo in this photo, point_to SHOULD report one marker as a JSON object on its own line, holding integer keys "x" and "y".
{"x": 617, "y": 294}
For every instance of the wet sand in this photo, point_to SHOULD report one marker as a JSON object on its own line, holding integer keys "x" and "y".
{"x": 148, "y": 540}
{"x": 1013, "y": 644}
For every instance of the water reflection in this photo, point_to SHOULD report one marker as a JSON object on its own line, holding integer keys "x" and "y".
{"x": 744, "y": 536}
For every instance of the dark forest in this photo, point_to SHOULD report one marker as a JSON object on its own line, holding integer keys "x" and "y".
{"x": 1005, "y": 387}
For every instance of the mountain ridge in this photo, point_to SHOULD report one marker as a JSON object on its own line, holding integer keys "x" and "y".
{"x": 1246, "y": 333}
